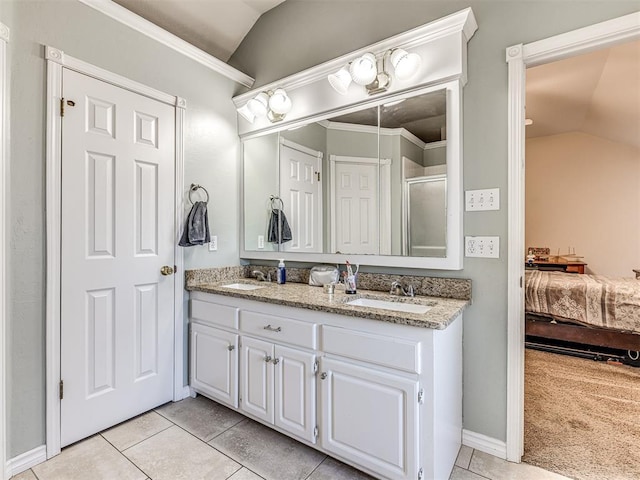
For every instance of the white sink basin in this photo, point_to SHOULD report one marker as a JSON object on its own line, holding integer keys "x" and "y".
{"x": 387, "y": 305}
{"x": 243, "y": 286}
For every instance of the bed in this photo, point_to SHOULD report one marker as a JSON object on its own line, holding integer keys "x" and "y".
{"x": 588, "y": 309}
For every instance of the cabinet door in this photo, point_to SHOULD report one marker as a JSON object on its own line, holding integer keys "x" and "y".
{"x": 214, "y": 363}
{"x": 256, "y": 378}
{"x": 295, "y": 392}
{"x": 370, "y": 417}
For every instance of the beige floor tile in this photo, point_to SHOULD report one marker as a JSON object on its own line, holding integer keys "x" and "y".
{"x": 26, "y": 475}
{"x": 332, "y": 469}
{"x": 268, "y": 453}
{"x": 464, "y": 457}
{"x": 462, "y": 474}
{"x": 200, "y": 416}
{"x": 245, "y": 474}
{"x": 498, "y": 469}
{"x": 174, "y": 454}
{"x": 135, "y": 430}
{"x": 93, "y": 458}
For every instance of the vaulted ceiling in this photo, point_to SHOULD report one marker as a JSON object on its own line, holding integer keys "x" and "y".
{"x": 214, "y": 26}
{"x": 596, "y": 93}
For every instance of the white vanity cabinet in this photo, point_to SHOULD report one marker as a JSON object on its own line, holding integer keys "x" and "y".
{"x": 279, "y": 386}
{"x": 383, "y": 397}
{"x": 213, "y": 357}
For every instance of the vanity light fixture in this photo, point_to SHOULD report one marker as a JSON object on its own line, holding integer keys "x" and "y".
{"x": 370, "y": 71}
{"x": 274, "y": 104}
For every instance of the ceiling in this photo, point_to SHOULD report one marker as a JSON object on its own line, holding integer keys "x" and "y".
{"x": 596, "y": 93}
{"x": 215, "y": 26}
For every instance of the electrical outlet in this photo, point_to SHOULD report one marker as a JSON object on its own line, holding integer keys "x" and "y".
{"x": 260, "y": 241}
{"x": 476, "y": 200}
{"x": 486, "y": 247}
{"x": 213, "y": 244}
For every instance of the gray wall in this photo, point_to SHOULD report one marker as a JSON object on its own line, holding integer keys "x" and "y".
{"x": 211, "y": 158}
{"x": 327, "y": 29}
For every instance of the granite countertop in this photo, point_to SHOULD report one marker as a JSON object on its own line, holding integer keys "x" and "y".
{"x": 443, "y": 311}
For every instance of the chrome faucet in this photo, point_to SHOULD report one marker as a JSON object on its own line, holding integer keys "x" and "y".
{"x": 398, "y": 289}
{"x": 261, "y": 276}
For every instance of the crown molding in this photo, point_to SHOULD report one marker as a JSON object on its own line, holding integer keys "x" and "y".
{"x": 151, "y": 30}
{"x": 462, "y": 21}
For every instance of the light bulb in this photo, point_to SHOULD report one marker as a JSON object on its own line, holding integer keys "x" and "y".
{"x": 246, "y": 113}
{"x": 363, "y": 70}
{"x": 258, "y": 104}
{"x": 340, "y": 80}
{"x": 279, "y": 102}
{"x": 405, "y": 65}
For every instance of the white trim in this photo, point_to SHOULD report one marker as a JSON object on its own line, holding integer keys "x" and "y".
{"x": 26, "y": 460}
{"x": 431, "y": 145}
{"x": 145, "y": 27}
{"x": 186, "y": 392}
{"x": 53, "y": 246}
{"x": 462, "y": 21}
{"x": 301, "y": 148}
{"x": 4, "y": 213}
{"x": 354, "y": 127}
{"x": 178, "y": 255}
{"x": 56, "y": 61}
{"x": 519, "y": 57}
{"x": 485, "y": 444}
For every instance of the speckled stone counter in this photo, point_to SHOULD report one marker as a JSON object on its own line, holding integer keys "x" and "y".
{"x": 442, "y": 311}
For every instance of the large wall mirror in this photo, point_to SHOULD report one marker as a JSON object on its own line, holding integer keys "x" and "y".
{"x": 374, "y": 185}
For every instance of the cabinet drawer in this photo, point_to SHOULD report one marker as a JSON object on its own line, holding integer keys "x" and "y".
{"x": 215, "y": 314}
{"x": 391, "y": 352}
{"x": 279, "y": 329}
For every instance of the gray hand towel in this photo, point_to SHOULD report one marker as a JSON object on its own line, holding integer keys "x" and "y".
{"x": 279, "y": 230}
{"x": 196, "y": 229}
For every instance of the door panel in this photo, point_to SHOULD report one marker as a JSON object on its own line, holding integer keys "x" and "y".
{"x": 356, "y": 208}
{"x": 370, "y": 417}
{"x": 214, "y": 363}
{"x": 117, "y": 232}
{"x": 295, "y": 392}
{"x": 257, "y": 378}
{"x": 301, "y": 194}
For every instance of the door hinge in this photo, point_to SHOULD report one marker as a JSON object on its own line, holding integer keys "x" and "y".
{"x": 318, "y": 175}
{"x": 62, "y": 107}
{"x": 420, "y": 474}
{"x": 61, "y": 389}
{"x": 315, "y": 367}
{"x": 421, "y": 396}
{"x": 520, "y": 281}
{"x": 315, "y": 431}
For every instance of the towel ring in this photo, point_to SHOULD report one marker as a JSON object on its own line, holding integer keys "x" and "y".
{"x": 275, "y": 198}
{"x": 195, "y": 187}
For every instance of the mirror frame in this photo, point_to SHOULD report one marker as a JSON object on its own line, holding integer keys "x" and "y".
{"x": 454, "y": 257}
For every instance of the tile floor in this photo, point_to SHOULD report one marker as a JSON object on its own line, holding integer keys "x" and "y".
{"x": 200, "y": 439}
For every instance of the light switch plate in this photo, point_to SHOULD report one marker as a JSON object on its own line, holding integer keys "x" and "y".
{"x": 487, "y": 199}
{"x": 485, "y": 247}
{"x": 260, "y": 241}
{"x": 213, "y": 243}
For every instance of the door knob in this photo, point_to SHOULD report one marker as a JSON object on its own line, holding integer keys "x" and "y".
{"x": 166, "y": 270}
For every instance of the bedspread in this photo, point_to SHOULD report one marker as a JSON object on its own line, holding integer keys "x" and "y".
{"x": 593, "y": 300}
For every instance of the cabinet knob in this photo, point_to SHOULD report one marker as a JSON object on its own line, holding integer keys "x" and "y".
{"x": 267, "y": 358}
{"x": 323, "y": 375}
{"x": 276, "y": 361}
{"x": 231, "y": 348}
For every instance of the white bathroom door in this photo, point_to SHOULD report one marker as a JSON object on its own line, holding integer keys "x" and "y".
{"x": 301, "y": 193}
{"x": 356, "y": 208}
{"x": 118, "y": 171}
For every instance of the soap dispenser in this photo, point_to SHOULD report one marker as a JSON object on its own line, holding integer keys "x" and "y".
{"x": 282, "y": 273}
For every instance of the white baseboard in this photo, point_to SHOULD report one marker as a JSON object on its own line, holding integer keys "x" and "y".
{"x": 26, "y": 460}
{"x": 186, "y": 392}
{"x": 485, "y": 444}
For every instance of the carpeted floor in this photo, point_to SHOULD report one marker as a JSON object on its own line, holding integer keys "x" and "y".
{"x": 581, "y": 417}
